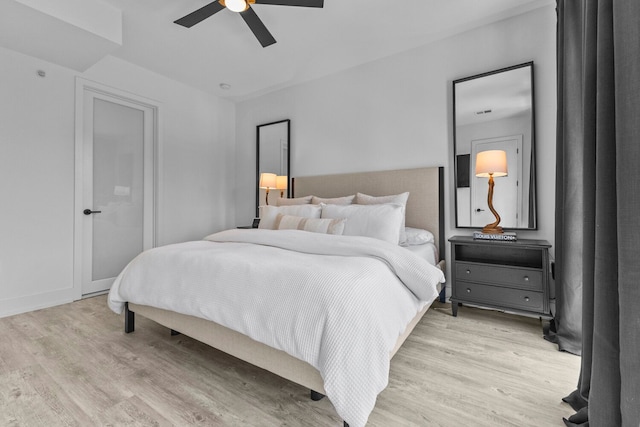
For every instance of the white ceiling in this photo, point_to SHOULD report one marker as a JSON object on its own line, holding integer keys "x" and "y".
{"x": 311, "y": 42}
{"x": 493, "y": 97}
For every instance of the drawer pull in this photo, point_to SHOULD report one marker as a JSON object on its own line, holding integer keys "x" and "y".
{"x": 468, "y": 271}
{"x": 526, "y": 278}
{"x": 468, "y": 290}
{"x": 526, "y": 299}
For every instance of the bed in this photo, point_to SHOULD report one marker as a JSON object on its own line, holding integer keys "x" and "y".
{"x": 424, "y": 210}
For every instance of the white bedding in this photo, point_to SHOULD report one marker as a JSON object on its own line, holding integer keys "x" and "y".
{"x": 337, "y": 302}
{"x": 427, "y": 251}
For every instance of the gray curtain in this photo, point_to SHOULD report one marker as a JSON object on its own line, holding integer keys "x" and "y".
{"x": 598, "y": 205}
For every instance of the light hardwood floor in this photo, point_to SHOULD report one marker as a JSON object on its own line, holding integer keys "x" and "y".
{"x": 72, "y": 365}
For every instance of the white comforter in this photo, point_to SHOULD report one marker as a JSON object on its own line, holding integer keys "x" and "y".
{"x": 336, "y": 302}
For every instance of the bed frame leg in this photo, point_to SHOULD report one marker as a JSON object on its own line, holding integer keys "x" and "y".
{"x": 315, "y": 396}
{"x": 129, "y": 319}
{"x": 174, "y": 333}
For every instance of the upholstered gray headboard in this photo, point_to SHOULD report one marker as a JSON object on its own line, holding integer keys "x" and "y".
{"x": 425, "y": 207}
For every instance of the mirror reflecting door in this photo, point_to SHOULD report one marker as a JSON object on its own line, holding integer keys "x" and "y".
{"x": 495, "y": 111}
{"x": 507, "y": 195}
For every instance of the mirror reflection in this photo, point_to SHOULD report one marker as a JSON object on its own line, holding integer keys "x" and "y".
{"x": 494, "y": 111}
{"x": 273, "y": 148}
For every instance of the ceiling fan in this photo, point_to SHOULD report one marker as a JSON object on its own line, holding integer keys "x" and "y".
{"x": 244, "y": 9}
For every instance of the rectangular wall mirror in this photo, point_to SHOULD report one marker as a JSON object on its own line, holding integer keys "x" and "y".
{"x": 495, "y": 111}
{"x": 273, "y": 156}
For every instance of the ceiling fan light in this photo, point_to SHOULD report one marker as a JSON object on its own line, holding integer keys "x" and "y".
{"x": 236, "y": 5}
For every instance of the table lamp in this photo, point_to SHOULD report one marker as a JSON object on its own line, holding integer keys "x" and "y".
{"x": 489, "y": 164}
{"x": 281, "y": 183}
{"x": 267, "y": 181}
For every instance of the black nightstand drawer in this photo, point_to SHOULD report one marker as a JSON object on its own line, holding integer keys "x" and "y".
{"x": 496, "y": 295}
{"x": 505, "y": 275}
{"x": 493, "y": 274}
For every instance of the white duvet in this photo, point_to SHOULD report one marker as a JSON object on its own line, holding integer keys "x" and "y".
{"x": 336, "y": 302}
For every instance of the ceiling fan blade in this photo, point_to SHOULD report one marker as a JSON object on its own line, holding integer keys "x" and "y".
{"x": 303, "y": 3}
{"x": 259, "y": 30}
{"x": 200, "y": 15}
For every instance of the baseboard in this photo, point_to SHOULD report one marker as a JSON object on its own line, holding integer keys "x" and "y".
{"x": 24, "y": 304}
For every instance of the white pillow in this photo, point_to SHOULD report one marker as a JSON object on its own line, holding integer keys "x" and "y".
{"x": 398, "y": 199}
{"x": 378, "y": 221}
{"x": 315, "y": 225}
{"x": 418, "y": 236}
{"x": 346, "y": 200}
{"x": 282, "y": 201}
{"x": 268, "y": 214}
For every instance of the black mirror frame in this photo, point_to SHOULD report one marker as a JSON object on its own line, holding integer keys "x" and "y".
{"x": 533, "y": 174}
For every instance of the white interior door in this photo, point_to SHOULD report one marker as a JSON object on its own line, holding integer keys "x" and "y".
{"x": 117, "y": 182}
{"x": 507, "y": 194}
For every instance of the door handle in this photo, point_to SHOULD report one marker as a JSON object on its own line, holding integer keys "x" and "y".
{"x": 89, "y": 212}
{"x": 479, "y": 210}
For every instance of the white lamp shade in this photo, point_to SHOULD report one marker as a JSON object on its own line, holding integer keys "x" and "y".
{"x": 236, "y": 5}
{"x": 491, "y": 162}
{"x": 267, "y": 180}
{"x": 281, "y": 182}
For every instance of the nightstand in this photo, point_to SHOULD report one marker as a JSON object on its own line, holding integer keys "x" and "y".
{"x": 255, "y": 223}
{"x": 507, "y": 275}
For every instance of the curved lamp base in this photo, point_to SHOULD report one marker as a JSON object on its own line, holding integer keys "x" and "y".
{"x": 492, "y": 229}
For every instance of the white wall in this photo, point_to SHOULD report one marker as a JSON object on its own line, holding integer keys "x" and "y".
{"x": 397, "y": 112}
{"x": 37, "y": 170}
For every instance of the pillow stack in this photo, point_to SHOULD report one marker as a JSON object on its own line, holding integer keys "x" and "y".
{"x": 379, "y": 217}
